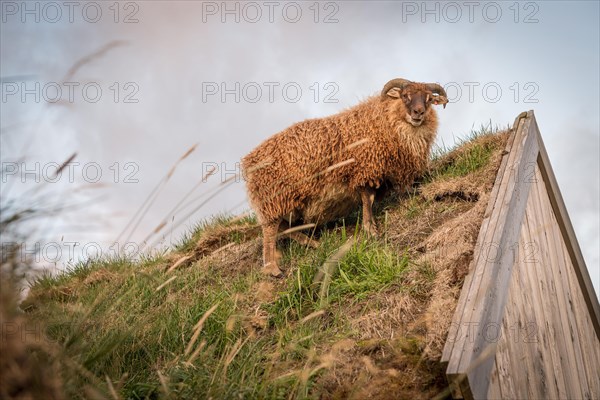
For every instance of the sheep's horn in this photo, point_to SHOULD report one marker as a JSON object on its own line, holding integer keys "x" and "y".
{"x": 394, "y": 83}
{"x": 442, "y": 97}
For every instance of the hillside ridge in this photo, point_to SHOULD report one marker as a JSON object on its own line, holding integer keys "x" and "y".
{"x": 201, "y": 321}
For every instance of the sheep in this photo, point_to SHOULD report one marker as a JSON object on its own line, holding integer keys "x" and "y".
{"x": 318, "y": 169}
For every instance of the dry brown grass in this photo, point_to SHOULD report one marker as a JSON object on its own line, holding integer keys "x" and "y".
{"x": 27, "y": 371}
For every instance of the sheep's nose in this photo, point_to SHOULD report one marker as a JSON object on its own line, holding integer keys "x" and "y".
{"x": 418, "y": 111}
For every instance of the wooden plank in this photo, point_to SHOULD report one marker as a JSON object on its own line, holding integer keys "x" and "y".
{"x": 545, "y": 291}
{"x": 537, "y": 344}
{"x": 470, "y": 291}
{"x": 566, "y": 228}
{"x": 565, "y": 266}
{"x": 483, "y": 235}
{"x": 569, "y": 364}
{"x": 506, "y": 373}
{"x": 492, "y": 294}
{"x": 566, "y": 360}
{"x": 494, "y": 389}
{"x": 515, "y": 355}
{"x": 532, "y": 367}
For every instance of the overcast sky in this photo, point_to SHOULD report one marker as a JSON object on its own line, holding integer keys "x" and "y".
{"x": 133, "y": 110}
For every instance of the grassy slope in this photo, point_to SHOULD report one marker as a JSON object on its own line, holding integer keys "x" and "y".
{"x": 213, "y": 327}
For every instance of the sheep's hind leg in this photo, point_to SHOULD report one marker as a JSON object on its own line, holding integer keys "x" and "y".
{"x": 367, "y": 196}
{"x": 270, "y": 254}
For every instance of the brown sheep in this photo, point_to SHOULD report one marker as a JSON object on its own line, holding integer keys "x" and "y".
{"x": 317, "y": 169}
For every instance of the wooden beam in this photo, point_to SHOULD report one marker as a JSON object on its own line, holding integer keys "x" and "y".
{"x": 490, "y": 308}
{"x": 481, "y": 238}
{"x": 462, "y": 321}
{"x": 486, "y": 297}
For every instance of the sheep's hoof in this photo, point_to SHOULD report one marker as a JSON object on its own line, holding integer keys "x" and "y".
{"x": 272, "y": 269}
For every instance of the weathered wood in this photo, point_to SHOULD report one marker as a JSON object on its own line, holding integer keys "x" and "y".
{"x": 493, "y": 292}
{"x": 566, "y": 228}
{"x": 537, "y": 345}
{"x": 550, "y": 252}
{"x": 549, "y": 257}
{"x": 548, "y": 325}
{"x": 484, "y": 233}
{"x": 503, "y": 360}
{"x": 512, "y": 322}
{"x": 574, "y": 326}
{"x": 552, "y": 290}
{"x": 494, "y": 389}
{"x": 482, "y": 247}
{"x": 528, "y": 316}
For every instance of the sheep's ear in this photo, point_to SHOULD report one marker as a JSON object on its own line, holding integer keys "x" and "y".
{"x": 394, "y": 92}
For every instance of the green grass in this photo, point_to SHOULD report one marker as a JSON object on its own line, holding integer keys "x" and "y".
{"x": 470, "y": 157}
{"x": 369, "y": 267}
{"x": 471, "y": 161}
{"x": 114, "y": 322}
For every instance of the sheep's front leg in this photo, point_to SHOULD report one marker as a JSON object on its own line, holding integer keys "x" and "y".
{"x": 270, "y": 255}
{"x": 367, "y": 196}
